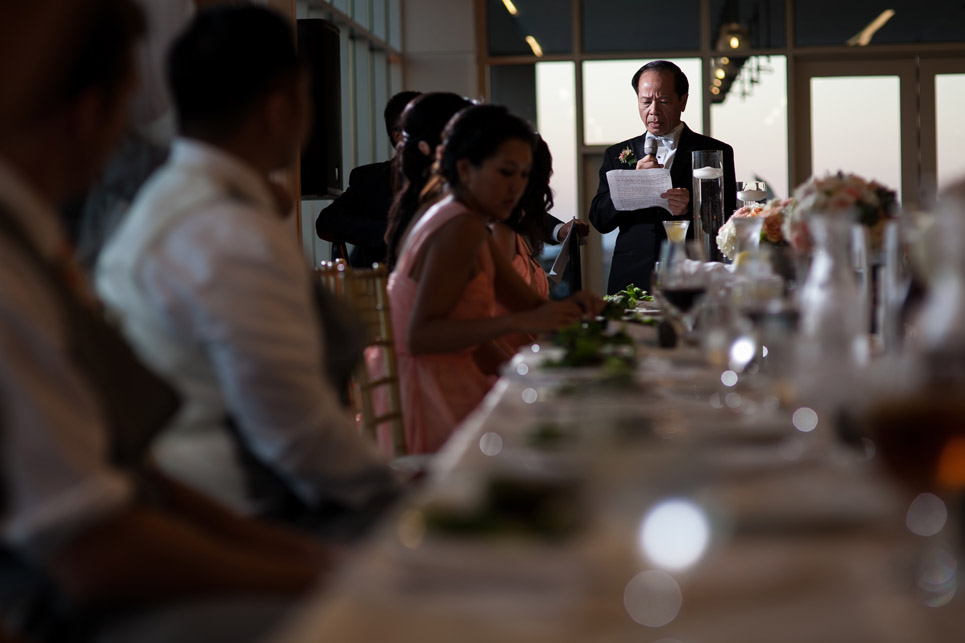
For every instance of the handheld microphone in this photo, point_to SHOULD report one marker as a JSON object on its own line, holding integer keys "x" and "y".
{"x": 650, "y": 147}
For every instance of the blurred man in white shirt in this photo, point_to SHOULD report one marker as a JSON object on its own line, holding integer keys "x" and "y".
{"x": 210, "y": 285}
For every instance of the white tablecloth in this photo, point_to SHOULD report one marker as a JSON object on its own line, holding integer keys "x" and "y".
{"x": 806, "y": 540}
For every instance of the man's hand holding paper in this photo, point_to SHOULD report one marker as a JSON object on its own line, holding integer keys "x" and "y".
{"x": 678, "y": 200}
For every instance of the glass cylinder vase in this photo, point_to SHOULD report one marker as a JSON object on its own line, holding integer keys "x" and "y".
{"x": 832, "y": 344}
{"x": 708, "y": 194}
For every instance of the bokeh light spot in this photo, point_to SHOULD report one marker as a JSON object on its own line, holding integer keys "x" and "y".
{"x": 805, "y": 419}
{"x": 674, "y": 534}
{"x": 491, "y": 443}
{"x": 936, "y": 577}
{"x": 742, "y": 352}
{"x": 951, "y": 464}
{"x": 926, "y": 515}
{"x": 652, "y": 598}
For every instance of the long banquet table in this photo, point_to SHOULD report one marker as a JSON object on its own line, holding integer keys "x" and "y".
{"x": 689, "y": 515}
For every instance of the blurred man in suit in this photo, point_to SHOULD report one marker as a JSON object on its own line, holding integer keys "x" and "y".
{"x": 662, "y": 91}
{"x": 360, "y": 215}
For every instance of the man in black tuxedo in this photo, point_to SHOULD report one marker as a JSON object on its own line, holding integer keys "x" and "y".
{"x": 662, "y": 91}
{"x": 360, "y": 215}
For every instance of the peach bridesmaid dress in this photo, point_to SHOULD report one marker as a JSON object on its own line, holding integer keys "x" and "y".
{"x": 438, "y": 391}
{"x": 529, "y": 269}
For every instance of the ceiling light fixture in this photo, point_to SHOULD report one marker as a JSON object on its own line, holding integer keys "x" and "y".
{"x": 863, "y": 37}
{"x": 537, "y": 50}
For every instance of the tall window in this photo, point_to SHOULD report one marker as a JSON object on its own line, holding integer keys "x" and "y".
{"x": 752, "y": 118}
{"x": 751, "y": 65}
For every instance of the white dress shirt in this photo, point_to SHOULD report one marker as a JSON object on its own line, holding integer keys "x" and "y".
{"x": 211, "y": 289}
{"x": 666, "y": 145}
{"x": 56, "y": 475}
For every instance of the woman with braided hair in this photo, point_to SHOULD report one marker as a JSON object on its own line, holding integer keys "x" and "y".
{"x": 422, "y": 123}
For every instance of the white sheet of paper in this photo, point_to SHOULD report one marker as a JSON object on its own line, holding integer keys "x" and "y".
{"x": 636, "y": 189}
{"x": 556, "y": 272}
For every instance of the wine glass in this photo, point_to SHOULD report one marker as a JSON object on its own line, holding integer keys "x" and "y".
{"x": 680, "y": 280}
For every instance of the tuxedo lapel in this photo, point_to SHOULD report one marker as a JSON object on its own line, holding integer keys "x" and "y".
{"x": 681, "y": 172}
{"x": 636, "y": 144}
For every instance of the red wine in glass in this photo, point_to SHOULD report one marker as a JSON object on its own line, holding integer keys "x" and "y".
{"x": 683, "y": 298}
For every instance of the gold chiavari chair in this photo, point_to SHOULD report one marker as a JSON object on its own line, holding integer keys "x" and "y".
{"x": 375, "y": 383}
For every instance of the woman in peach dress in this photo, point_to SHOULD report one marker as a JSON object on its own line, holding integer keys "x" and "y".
{"x": 443, "y": 290}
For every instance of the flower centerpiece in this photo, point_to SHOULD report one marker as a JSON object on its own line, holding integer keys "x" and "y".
{"x": 774, "y": 214}
{"x": 836, "y": 195}
{"x": 727, "y": 234}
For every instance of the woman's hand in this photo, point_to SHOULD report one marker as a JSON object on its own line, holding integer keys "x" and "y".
{"x": 550, "y": 316}
{"x": 590, "y": 303}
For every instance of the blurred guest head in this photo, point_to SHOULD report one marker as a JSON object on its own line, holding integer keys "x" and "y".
{"x": 393, "y": 114}
{"x": 35, "y": 38}
{"x": 81, "y": 114}
{"x": 237, "y": 82}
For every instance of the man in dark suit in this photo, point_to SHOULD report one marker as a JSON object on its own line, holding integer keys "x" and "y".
{"x": 359, "y": 215}
{"x": 662, "y": 91}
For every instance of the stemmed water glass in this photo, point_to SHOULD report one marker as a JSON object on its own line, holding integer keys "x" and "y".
{"x": 676, "y": 230}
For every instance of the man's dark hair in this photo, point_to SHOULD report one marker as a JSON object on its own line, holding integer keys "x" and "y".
{"x": 680, "y": 84}
{"x": 102, "y": 56}
{"x": 393, "y": 111}
{"x": 225, "y": 62}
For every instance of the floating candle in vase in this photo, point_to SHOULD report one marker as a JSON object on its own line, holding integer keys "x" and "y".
{"x": 708, "y": 173}
{"x": 751, "y": 195}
